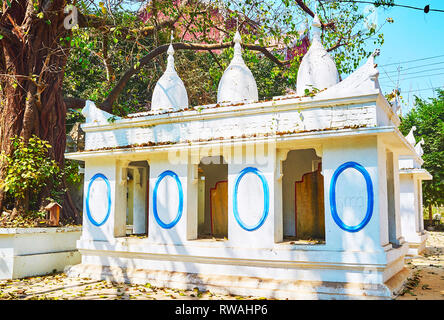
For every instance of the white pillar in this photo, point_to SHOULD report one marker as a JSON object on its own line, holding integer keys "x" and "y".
{"x": 408, "y": 207}
{"x": 104, "y": 202}
{"x": 349, "y": 168}
{"x": 254, "y": 216}
{"x": 172, "y": 218}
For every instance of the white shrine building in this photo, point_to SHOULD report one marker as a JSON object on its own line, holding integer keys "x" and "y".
{"x": 411, "y": 176}
{"x": 304, "y": 196}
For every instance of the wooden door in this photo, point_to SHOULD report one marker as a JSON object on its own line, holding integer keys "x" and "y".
{"x": 219, "y": 209}
{"x": 309, "y": 206}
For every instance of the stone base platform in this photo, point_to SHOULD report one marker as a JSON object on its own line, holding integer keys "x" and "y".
{"x": 242, "y": 285}
{"x": 417, "y": 246}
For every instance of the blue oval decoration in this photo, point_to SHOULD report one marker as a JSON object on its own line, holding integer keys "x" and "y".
{"x": 88, "y": 211}
{"x": 180, "y": 209}
{"x": 266, "y": 198}
{"x": 370, "y": 198}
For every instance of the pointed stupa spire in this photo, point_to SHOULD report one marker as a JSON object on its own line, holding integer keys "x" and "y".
{"x": 411, "y": 137}
{"x": 318, "y": 69}
{"x": 170, "y": 60}
{"x": 316, "y": 27}
{"x": 169, "y": 92}
{"x": 237, "y": 83}
{"x": 237, "y": 58}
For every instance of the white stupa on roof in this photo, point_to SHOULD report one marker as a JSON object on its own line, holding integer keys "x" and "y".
{"x": 410, "y": 136}
{"x": 410, "y": 162}
{"x": 317, "y": 69}
{"x": 418, "y": 148}
{"x": 169, "y": 92}
{"x": 237, "y": 83}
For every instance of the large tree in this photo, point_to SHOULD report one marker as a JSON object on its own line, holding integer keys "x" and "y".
{"x": 32, "y": 63}
{"x": 37, "y": 39}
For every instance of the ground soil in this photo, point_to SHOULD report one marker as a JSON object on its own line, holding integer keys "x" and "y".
{"x": 427, "y": 279}
{"x": 425, "y": 283}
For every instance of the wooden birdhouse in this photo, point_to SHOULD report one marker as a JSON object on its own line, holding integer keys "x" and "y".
{"x": 53, "y": 209}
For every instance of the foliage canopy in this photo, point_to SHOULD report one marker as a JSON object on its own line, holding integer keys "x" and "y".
{"x": 428, "y": 117}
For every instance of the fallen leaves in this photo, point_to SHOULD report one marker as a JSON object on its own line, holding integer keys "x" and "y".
{"x": 60, "y": 287}
{"x": 427, "y": 281}
{"x": 425, "y": 287}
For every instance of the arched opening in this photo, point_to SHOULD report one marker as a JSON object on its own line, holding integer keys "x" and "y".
{"x": 303, "y": 197}
{"x": 137, "y": 198}
{"x": 213, "y": 198}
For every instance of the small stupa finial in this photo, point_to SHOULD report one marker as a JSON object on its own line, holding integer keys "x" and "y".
{"x": 170, "y": 48}
{"x": 237, "y": 48}
{"x": 316, "y": 25}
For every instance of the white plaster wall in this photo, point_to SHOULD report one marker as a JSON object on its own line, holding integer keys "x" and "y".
{"x": 407, "y": 163}
{"x": 420, "y": 204}
{"x": 408, "y": 207}
{"x": 228, "y": 125}
{"x": 390, "y": 199}
{"x": 278, "y": 261}
{"x": 168, "y": 203}
{"x": 116, "y": 222}
{"x": 391, "y": 177}
{"x": 382, "y": 187}
{"x": 396, "y": 177}
{"x": 383, "y": 118}
{"x": 191, "y": 202}
{"x": 28, "y": 252}
{"x": 288, "y": 271}
{"x": 351, "y": 195}
{"x": 412, "y": 221}
{"x": 250, "y": 199}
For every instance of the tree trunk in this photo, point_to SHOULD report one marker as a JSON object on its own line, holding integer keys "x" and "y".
{"x": 430, "y": 215}
{"x": 34, "y": 60}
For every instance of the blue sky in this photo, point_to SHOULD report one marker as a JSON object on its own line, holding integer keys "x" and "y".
{"x": 414, "y": 35}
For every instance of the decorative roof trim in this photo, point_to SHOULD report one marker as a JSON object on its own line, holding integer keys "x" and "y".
{"x": 224, "y": 111}
{"x": 314, "y": 134}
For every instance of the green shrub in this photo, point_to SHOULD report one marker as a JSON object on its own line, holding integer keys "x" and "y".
{"x": 28, "y": 169}
{"x": 71, "y": 172}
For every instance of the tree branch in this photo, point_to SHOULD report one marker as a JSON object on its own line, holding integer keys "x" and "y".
{"x": 337, "y": 44}
{"x": 304, "y": 7}
{"x": 7, "y": 34}
{"x": 307, "y": 10}
{"x": 74, "y": 103}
